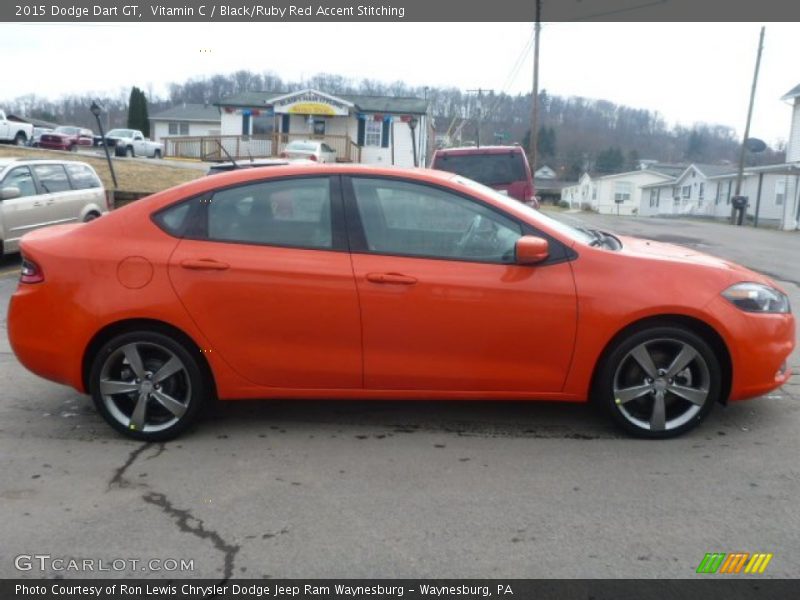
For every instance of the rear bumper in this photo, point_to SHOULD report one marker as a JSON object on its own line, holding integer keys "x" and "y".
{"x": 31, "y": 337}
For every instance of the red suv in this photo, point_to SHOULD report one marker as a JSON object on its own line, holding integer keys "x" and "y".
{"x": 66, "y": 137}
{"x": 504, "y": 168}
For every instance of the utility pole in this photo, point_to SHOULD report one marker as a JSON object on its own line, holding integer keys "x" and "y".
{"x": 743, "y": 150}
{"x": 535, "y": 95}
{"x": 480, "y": 92}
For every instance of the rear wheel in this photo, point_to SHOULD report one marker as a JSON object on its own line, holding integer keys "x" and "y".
{"x": 157, "y": 154}
{"x": 660, "y": 382}
{"x": 147, "y": 385}
{"x": 91, "y": 217}
{"x": 73, "y": 148}
{"x": 20, "y": 139}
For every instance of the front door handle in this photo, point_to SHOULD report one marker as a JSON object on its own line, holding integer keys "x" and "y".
{"x": 391, "y": 278}
{"x": 204, "y": 264}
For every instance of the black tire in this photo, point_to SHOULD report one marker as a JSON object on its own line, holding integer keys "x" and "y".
{"x": 171, "y": 404}
{"x": 630, "y": 391}
{"x": 73, "y": 148}
{"x": 129, "y": 151}
{"x": 20, "y": 139}
{"x": 91, "y": 217}
{"x": 157, "y": 154}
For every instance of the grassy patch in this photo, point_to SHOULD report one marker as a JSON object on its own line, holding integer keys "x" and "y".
{"x": 132, "y": 175}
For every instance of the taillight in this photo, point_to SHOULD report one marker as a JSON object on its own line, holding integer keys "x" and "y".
{"x": 284, "y": 155}
{"x": 313, "y": 157}
{"x": 30, "y": 272}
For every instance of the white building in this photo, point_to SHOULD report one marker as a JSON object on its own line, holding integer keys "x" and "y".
{"x": 185, "y": 120}
{"x": 793, "y": 145}
{"x": 617, "y": 194}
{"x": 368, "y": 129}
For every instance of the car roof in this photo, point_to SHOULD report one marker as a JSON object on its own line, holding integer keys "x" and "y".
{"x": 4, "y": 162}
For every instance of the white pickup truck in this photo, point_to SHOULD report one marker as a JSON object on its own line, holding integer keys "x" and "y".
{"x": 14, "y": 131}
{"x": 131, "y": 142}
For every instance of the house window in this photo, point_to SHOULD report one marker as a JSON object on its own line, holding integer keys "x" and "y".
{"x": 622, "y": 191}
{"x": 730, "y": 188}
{"x": 653, "y": 197}
{"x": 594, "y": 193}
{"x": 246, "y": 124}
{"x": 173, "y": 129}
{"x": 184, "y": 128}
{"x": 701, "y": 191}
{"x": 263, "y": 124}
{"x": 780, "y": 192}
{"x": 372, "y": 133}
{"x": 319, "y": 126}
{"x": 686, "y": 191}
{"x": 718, "y": 194}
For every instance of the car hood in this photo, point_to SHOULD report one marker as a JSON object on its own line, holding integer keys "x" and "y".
{"x": 652, "y": 249}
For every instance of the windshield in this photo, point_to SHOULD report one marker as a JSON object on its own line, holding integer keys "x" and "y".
{"x": 572, "y": 233}
{"x": 67, "y": 130}
{"x": 490, "y": 169}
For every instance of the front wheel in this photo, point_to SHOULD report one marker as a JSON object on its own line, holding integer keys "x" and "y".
{"x": 129, "y": 151}
{"x": 659, "y": 382}
{"x": 147, "y": 385}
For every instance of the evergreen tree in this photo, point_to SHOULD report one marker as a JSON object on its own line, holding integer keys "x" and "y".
{"x": 610, "y": 160}
{"x": 137, "y": 112}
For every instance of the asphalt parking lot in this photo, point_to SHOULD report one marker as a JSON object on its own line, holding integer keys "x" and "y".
{"x": 387, "y": 489}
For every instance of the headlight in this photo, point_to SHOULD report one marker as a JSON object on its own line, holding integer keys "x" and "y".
{"x": 755, "y": 297}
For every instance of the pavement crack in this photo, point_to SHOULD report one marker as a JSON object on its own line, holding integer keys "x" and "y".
{"x": 118, "y": 480}
{"x": 188, "y": 523}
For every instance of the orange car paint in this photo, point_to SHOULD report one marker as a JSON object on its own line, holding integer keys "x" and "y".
{"x": 291, "y": 323}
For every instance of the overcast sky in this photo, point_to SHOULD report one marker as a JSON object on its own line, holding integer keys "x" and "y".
{"x": 689, "y": 72}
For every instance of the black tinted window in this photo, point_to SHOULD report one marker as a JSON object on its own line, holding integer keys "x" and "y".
{"x": 419, "y": 220}
{"x": 53, "y": 178}
{"x": 488, "y": 169}
{"x": 83, "y": 178}
{"x": 173, "y": 220}
{"x": 292, "y": 212}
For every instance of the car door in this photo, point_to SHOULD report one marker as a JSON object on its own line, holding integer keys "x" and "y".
{"x": 60, "y": 202}
{"x": 140, "y": 146}
{"x": 267, "y": 278}
{"x": 22, "y": 214}
{"x": 443, "y": 305}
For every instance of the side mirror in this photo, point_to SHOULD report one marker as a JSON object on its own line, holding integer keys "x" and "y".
{"x": 9, "y": 192}
{"x": 531, "y": 250}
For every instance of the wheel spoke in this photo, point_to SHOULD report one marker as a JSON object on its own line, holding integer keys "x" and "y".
{"x": 682, "y": 360}
{"x": 131, "y": 352}
{"x": 627, "y": 394}
{"x": 642, "y": 356}
{"x": 139, "y": 415}
{"x": 109, "y": 387}
{"x": 170, "y": 403}
{"x": 695, "y": 396}
{"x": 172, "y": 366}
{"x": 658, "y": 416}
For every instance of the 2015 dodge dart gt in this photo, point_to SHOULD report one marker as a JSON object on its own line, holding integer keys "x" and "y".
{"x": 343, "y": 281}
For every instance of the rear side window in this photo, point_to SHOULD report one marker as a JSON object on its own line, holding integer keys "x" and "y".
{"x": 488, "y": 169}
{"x": 83, "y": 178}
{"x": 53, "y": 178}
{"x": 292, "y": 212}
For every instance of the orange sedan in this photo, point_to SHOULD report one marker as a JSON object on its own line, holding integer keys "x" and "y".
{"x": 356, "y": 282}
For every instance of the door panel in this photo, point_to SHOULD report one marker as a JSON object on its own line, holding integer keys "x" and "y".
{"x": 281, "y": 316}
{"x": 454, "y": 313}
{"x": 22, "y": 214}
{"x": 466, "y": 326}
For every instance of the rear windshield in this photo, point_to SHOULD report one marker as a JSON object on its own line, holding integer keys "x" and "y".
{"x": 310, "y": 146}
{"x": 488, "y": 169}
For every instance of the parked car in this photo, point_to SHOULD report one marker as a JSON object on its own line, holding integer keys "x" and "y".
{"x": 66, "y": 137}
{"x": 38, "y": 193}
{"x": 503, "y": 168}
{"x": 131, "y": 142}
{"x": 348, "y": 281}
{"x": 37, "y": 133}
{"x": 14, "y": 131}
{"x": 310, "y": 150}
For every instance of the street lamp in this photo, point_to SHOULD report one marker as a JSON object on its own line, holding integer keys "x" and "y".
{"x": 96, "y": 110}
{"x": 412, "y": 124}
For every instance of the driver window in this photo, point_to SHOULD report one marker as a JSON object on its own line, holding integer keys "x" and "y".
{"x": 21, "y": 178}
{"x": 413, "y": 219}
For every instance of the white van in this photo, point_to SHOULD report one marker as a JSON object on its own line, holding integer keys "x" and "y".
{"x": 37, "y": 193}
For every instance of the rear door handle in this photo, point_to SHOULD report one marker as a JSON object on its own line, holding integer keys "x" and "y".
{"x": 204, "y": 264}
{"x": 37, "y": 203}
{"x": 391, "y": 278}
